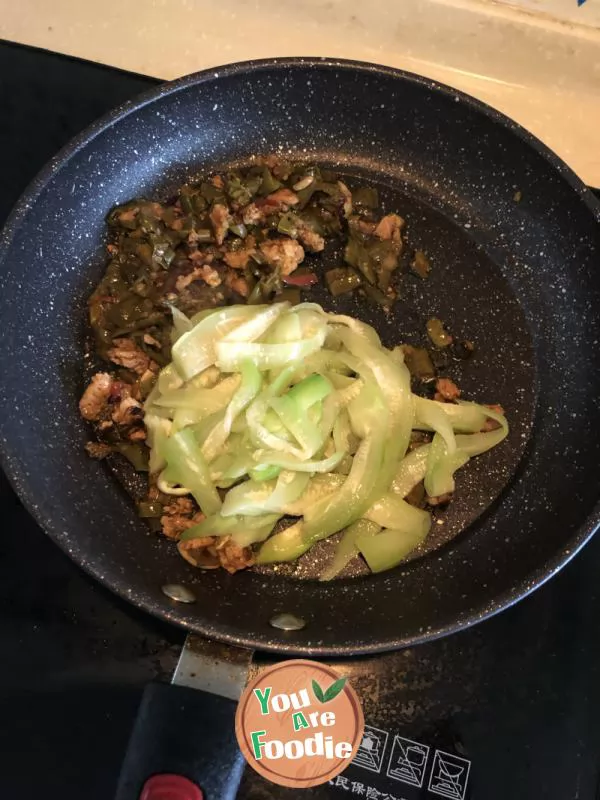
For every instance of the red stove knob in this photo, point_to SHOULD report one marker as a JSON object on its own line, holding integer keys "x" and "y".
{"x": 170, "y": 787}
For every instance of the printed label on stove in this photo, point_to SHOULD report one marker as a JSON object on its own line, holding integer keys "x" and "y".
{"x": 408, "y": 761}
{"x": 449, "y": 775}
{"x": 402, "y": 769}
{"x": 371, "y": 749}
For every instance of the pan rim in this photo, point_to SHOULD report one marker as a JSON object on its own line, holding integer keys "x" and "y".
{"x": 17, "y": 475}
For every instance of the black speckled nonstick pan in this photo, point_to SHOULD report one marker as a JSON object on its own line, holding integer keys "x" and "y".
{"x": 519, "y": 278}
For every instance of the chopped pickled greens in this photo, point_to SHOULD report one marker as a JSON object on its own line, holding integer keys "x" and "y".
{"x": 438, "y": 333}
{"x": 340, "y": 281}
{"x": 420, "y": 264}
{"x": 419, "y": 362}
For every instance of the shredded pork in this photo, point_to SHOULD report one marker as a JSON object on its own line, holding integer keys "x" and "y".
{"x": 446, "y": 391}
{"x": 283, "y": 254}
{"x": 95, "y": 398}
{"x": 127, "y": 354}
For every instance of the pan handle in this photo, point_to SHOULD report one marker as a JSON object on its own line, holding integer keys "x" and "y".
{"x": 183, "y": 746}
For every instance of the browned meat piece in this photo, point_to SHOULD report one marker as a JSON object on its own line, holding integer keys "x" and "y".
{"x": 98, "y": 450}
{"x": 237, "y": 283}
{"x": 446, "y": 391}
{"x": 151, "y": 341}
{"x": 233, "y": 557}
{"x": 252, "y": 214}
{"x": 205, "y": 273}
{"x": 178, "y": 516}
{"x": 238, "y": 259}
{"x": 281, "y": 169}
{"x": 347, "y": 195}
{"x": 95, "y": 398}
{"x": 180, "y": 505}
{"x": 210, "y": 276}
{"x": 312, "y": 240}
{"x": 185, "y": 280}
{"x": 278, "y": 202}
{"x": 217, "y": 181}
{"x": 183, "y": 266}
{"x": 137, "y": 435}
{"x": 127, "y": 354}
{"x": 119, "y": 390}
{"x": 199, "y": 257}
{"x": 281, "y": 200}
{"x": 221, "y": 220}
{"x": 283, "y": 254}
{"x": 492, "y": 424}
{"x": 129, "y": 215}
{"x": 200, "y": 552}
{"x": 442, "y": 500}
{"x": 389, "y": 227}
{"x": 128, "y": 412}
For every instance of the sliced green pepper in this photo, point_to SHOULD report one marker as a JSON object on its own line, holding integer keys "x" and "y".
{"x": 186, "y": 465}
{"x": 269, "y": 183}
{"x": 340, "y": 281}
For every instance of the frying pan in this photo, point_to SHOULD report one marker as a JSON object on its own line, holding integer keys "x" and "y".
{"x": 514, "y": 240}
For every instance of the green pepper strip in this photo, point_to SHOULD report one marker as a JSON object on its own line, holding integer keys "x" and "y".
{"x": 260, "y": 435}
{"x": 186, "y": 465}
{"x": 339, "y": 281}
{"x": 247, "y": 391}
{"x": 441, "y": 466}
{"x": 265, "y": 473}
{"x": 195, "y": 350}
{"x": 388, "y": 548}
{"x": 350, "y": 501}
{"x": 376, "y": 460}
{"x": 394, "y": 382}
{"x": 292, "y": 410}
{"x": 347, "y": 549}
{"x": 253, "y": 499}
{"x": 266, "y": 356}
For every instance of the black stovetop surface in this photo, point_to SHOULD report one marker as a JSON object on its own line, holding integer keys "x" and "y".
{"x": 514, "y": 699}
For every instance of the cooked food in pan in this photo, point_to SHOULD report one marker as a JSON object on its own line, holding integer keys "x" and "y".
{"x": 265, "y": 423}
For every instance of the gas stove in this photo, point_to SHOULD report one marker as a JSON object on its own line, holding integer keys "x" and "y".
{"x": 507, "y": 709}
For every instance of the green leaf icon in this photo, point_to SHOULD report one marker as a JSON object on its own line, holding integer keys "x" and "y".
{"x": 335, "y": 688}
{"x": 329, "y": 694}
{"x": 318, "y": 692}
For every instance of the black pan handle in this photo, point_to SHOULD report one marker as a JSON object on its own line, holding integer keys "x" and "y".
{"x": 188, "y": 737}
